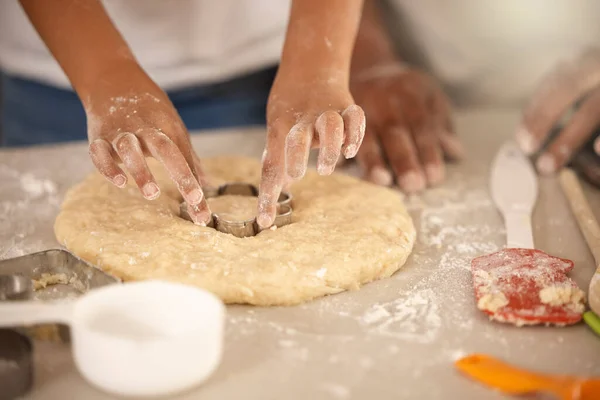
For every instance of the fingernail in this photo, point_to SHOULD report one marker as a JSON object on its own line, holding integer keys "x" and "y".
{"x": 546, "y": 164}
{"x": 151, "y": 191}
{"x": 296, "y": 171}
{"x": 434, "y": 173}
{"x": 264, "y": 221}
{"x": 526, "y": 141}
{"x": 195, "y": 196}
{"x": 380, "y": 176}
{"x": 202, "y": 221}
{"x": 325, "y": 169}
{"x": 201, "y": 218}
{"x": 411, "y": 182}
{"x": 350, "y": 151}
{"x": 597, "y": 145}
{"x": 120, "y": 181}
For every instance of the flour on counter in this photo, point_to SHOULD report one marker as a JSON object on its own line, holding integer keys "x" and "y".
{"x": 36, "y": 187}
{"x": 24, "y": 198}
{"x": 414, "y": 317}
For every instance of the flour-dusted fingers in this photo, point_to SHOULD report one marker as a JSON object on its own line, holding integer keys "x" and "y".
{"x": 370, "y": 158}
{"x": 329, "y": 126}
{"x": 127, "y": 147}
{"x": 402, "y": 155}
{"x": 200, "y": 213}
{"x": 354, "y": 130}
{"x": 103, "y": 158}
{"x": 273, "y": 175}
{"x": 297, "y": 149}
{"x": 169, "y": 155}
{"x": 565, "y": 85}
{"x": 575, "y": 134}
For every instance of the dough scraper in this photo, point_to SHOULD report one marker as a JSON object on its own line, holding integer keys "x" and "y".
{"x": 519, "y": 284}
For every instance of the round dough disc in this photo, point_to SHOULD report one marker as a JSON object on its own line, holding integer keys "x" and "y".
{"x": 345, "y": 232}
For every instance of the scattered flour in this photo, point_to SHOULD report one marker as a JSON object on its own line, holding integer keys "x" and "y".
{"x": 336, "y": 390}
{"x": 414, "y": 317}
{"x": 24, "y": 199}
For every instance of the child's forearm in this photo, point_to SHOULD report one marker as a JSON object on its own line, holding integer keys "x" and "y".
{"x": 320, "y": 37}
{"x": 81, "y": 37}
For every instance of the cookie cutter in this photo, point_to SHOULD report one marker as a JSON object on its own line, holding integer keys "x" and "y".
{"x": 49, "y": 275}
{"x": 247, "y": 227}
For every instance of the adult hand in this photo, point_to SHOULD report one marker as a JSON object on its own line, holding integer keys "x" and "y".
{"x": 409, "y": 128}
{"x": 130, "y": 117}
{"x": 305, "y": 114}
{"x": 573, "y": 81}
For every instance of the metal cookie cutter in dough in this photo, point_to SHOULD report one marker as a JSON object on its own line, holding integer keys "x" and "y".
{"x": 248, "y": 227}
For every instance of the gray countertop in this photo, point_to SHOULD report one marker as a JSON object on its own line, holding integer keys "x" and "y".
{"x": 393, "y": 339}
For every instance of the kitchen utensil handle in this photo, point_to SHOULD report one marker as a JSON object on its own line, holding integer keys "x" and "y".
{"x": 582, "y": 211}
{"x": 512, "y": 380}
{"x": 519, "y": 233}
{"x": 24, "y": 313}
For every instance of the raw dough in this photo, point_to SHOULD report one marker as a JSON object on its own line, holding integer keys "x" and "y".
{"x": 345, "y": 232}
{"x": 573, "y": 297}
{"x": 234, "y": 208}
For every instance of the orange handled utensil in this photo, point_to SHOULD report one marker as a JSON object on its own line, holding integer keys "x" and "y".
{"x": 515, "y": 381}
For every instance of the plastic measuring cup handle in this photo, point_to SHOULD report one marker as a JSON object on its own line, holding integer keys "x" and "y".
{"x": 22, "y": 313}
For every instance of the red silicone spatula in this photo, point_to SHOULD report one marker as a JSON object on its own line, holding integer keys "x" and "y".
{"x": 521, "y": 285}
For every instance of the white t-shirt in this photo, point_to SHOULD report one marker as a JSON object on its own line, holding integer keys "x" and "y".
{"x": 484, "y": 51}
{"x": 496, "y": 51}
{"x": 178, "y": 42}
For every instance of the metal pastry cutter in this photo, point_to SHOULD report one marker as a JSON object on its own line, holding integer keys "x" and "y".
{"x": 242, "y": 228}
{"x": 49, "y": 275}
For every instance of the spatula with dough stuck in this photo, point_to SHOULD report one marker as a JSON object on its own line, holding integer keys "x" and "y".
{"x": 521, "y": 285}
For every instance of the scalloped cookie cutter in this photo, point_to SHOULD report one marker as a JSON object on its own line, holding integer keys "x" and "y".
{"x": 247, "y": 227}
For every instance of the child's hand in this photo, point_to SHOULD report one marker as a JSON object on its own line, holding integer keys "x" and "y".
{"x": 129, "y": 117}
{"x": 310, "y": 104}
{"x": 302, "y": 115}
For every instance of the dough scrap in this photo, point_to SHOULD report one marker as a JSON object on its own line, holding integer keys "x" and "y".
{"x": 345, "y": 232}
{"x": 571, "y": 296}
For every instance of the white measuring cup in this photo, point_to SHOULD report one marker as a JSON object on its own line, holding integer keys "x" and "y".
{"x": 149, "y": 338}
